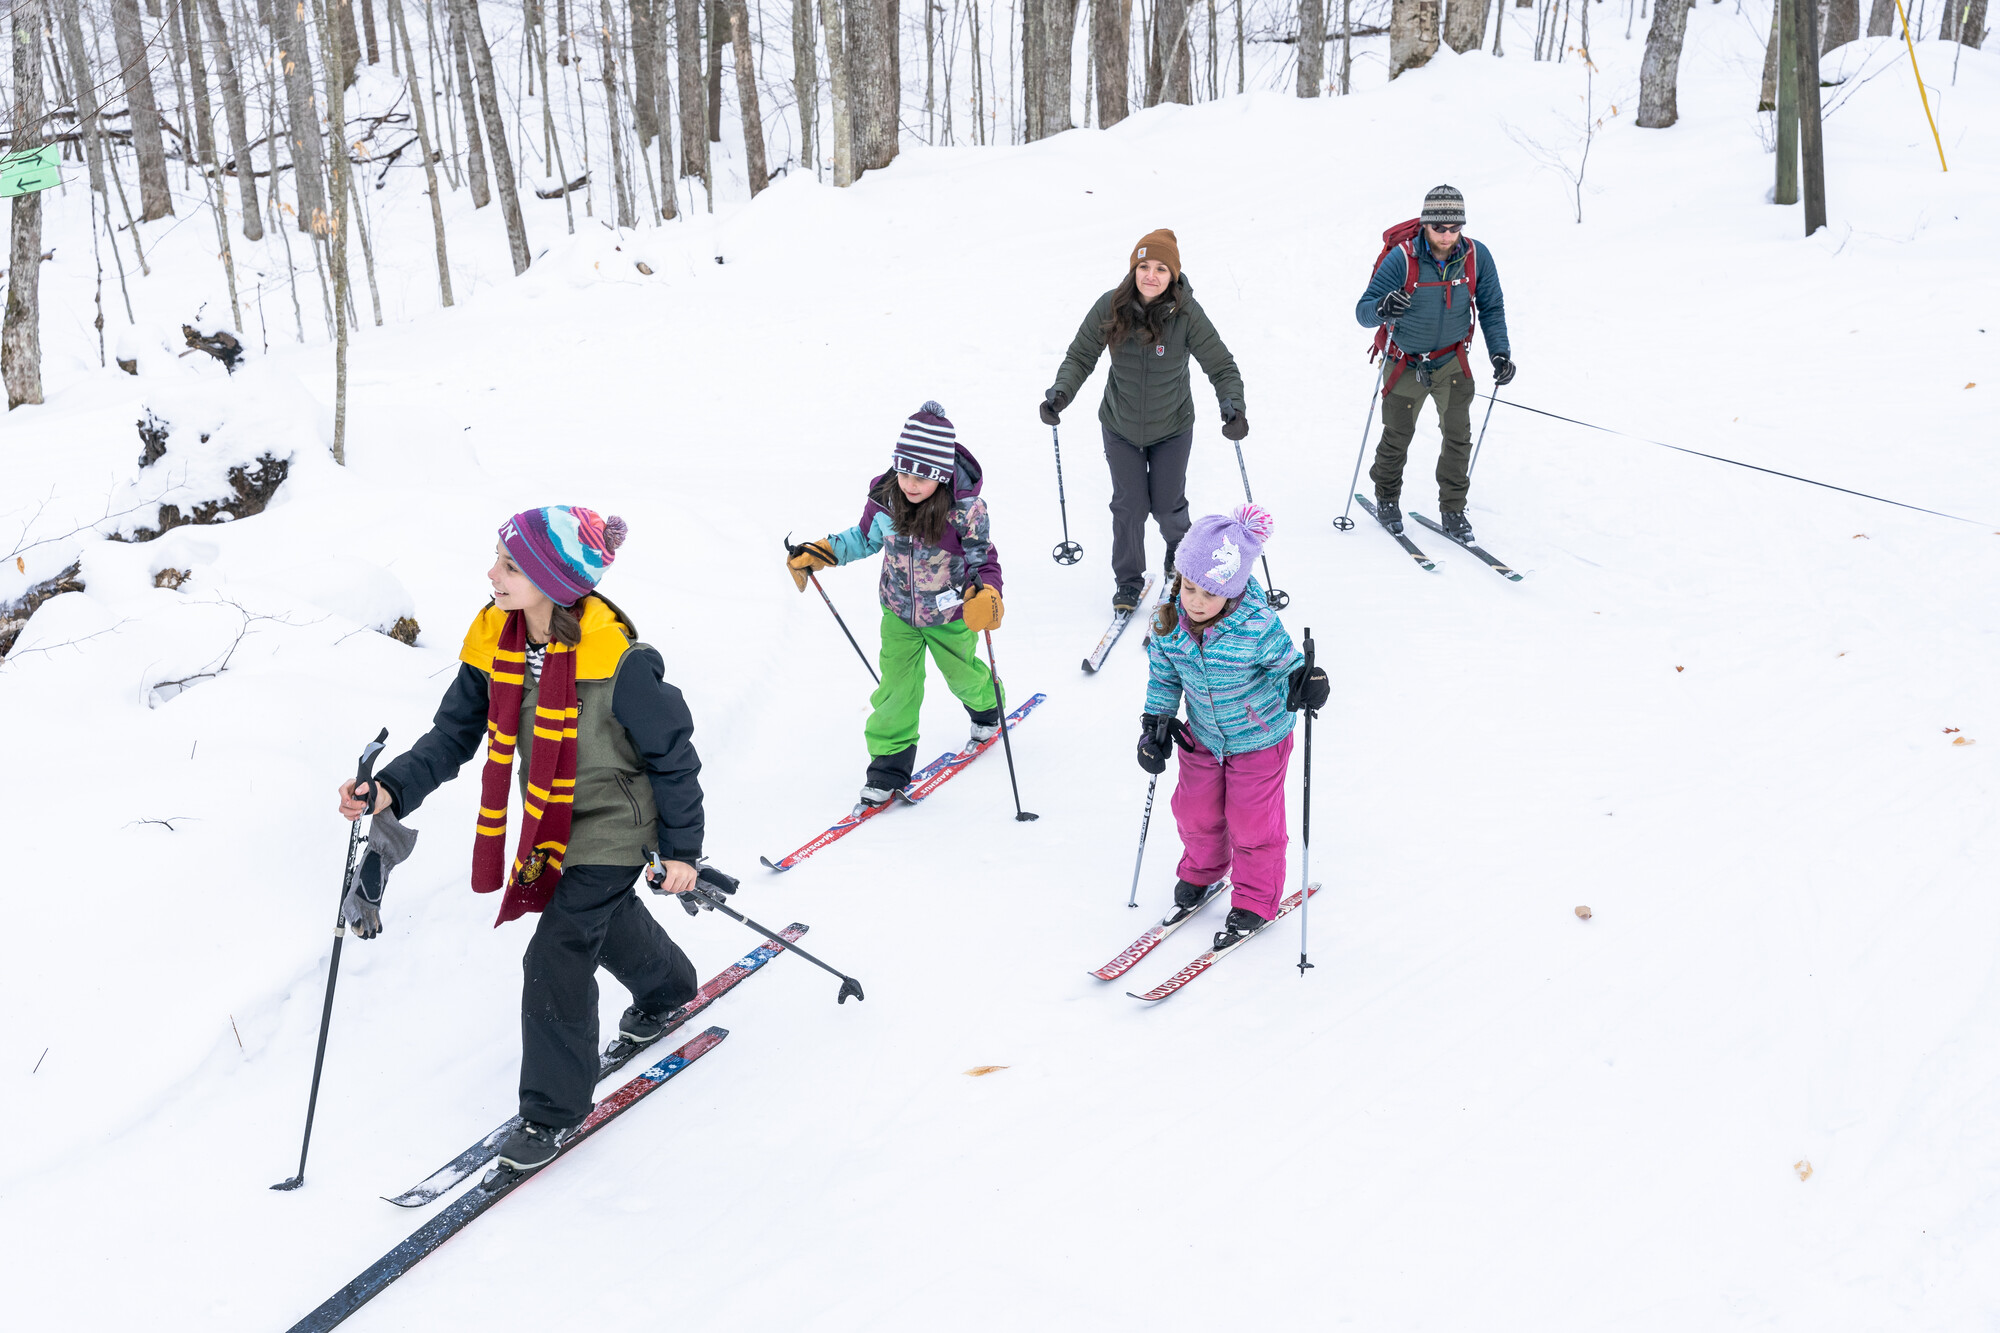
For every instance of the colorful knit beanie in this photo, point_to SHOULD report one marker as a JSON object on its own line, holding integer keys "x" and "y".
{"x": 1443, "y": 207}
{"x": 1219, "y": 549}
{"x": 563, "y": 549}
{"x": 928, "y": 446}
{"x": 1157, "y": 245}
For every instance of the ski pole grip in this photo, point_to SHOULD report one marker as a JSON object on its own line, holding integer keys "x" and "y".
{"x": 364, "y": 774}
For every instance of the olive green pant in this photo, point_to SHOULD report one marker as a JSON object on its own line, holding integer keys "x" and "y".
{"x": 892, "y": 727}
{"x": 1453, "y": 391}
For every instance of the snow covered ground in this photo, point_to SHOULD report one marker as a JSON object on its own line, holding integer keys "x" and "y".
{"x": 1758, "y": 1089}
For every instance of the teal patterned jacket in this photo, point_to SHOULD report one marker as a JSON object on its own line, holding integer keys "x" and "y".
{"x": 1234, "y": 679}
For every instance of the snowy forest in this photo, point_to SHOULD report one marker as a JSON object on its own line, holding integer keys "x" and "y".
{"x": 1305, "y": 818}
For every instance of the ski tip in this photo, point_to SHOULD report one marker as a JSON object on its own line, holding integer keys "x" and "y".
{"x": 774, "y": 866}
{"x": 1088, "y": 669}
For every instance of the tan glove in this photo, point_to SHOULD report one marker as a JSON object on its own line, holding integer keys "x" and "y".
{"x": 983, "y": 609}
{"x": 809, "y": 558}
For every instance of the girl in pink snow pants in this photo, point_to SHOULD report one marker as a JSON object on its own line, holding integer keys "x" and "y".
{"x": 1217, "y": 645}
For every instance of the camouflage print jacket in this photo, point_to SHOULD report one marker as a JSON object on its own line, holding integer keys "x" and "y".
{"x": 925, "y": 584}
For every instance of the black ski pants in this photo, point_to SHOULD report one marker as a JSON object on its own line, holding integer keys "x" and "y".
{"x": 595, "y": 919}
{"x": 1148, "y": 479}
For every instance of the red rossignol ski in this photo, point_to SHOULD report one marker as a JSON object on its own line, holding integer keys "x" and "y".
{"x": 922, "y": 783}
{"x": 1211, "y": 957}
{"x": 1155, "y": 936}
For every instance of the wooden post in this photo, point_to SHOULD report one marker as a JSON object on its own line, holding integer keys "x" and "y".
{"x": 1788, "y": 105}
{"x": 1806, "y": 14}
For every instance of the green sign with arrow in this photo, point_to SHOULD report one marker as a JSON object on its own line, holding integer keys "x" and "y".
{"x": 30, "y": 170}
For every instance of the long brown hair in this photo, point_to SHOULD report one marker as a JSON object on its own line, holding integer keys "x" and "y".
{"x": 565, "y": 627}
{"x": 1168, "y": 614}
{"x": 1132, "y": 317}
{"x": 926, "y": 521}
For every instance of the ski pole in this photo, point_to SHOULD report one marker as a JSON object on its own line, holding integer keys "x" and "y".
{"x": 1145, "y": 822}
{"x": 1344, "y": 523}
{"x": 704, "y": 897}
{"x": 1068, "y": 552}
{"x": 1306, "y": 822}
{"x": 1278, "y": 600}
{"x": 1490, "y": 400}
{"x": 1006, "y": 740}
{"x": 814, "y": 576}
{"x": 363, "y": 782}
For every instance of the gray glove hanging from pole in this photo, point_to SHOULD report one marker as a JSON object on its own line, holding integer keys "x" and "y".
{"x": 390, "y": 842}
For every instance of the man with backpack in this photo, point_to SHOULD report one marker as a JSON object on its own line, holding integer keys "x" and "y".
{"x": 1432, "y": 286}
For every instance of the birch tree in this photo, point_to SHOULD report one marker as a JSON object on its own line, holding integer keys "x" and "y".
{"x": 87, "y": 123}
{"x": 233, "y": 115}
{"x": 1413, "y": 34}
{"x": 1465, "y": 25}
{"x": 21, "y": 331}
{"x": 496, "y": 132}
{"x": 136, "y": 69}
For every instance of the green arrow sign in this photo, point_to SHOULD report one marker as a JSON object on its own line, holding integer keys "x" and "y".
{"x": 30, "y": 170}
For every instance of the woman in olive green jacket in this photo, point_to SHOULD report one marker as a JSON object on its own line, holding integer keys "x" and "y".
{"x": 1152, "y": 324}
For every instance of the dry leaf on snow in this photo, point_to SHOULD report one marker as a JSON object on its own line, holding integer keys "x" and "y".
{"x": 1963, "y": 740}
{"x": 1804, "y": 1168}
{"x": 981, "y": 1071}
{"x": 1583, "y": 912}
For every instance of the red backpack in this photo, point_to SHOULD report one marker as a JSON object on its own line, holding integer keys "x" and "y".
{"x": 1403, "y": 236}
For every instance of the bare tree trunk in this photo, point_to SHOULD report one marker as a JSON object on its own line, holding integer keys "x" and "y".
{"x": 718, "y": 24}
{"x": 1111, "y": 50}
{"x": 21, "y": 331}
{"x": 1058, "y": 68}
{"x": 1031, "y": 69}
{"x": 805, "y": 77}
{"x": 645, "y": 96}
{"x": 233, "y": 113}
{"x": 334, "y": 49}
{"x": 1843, "y": 23}
{"x": 1413, "y": 34}
{"x": 873, "y": 93}
{"x": 621, "y": 184}
{"x": 475, "y": 148}
{"x": 135, "y": 66}
{"x": 1767, "y": 91}
{"x": 1659, "y": 71}
{"x": 1167, "y": 77}
{"x": 368, "y": 31}
{"x": 399, "y": 26}
{"x": 670, "y": 206}
{"x": 1974, "y": 35}
{"x": 694, "y": 115}
{"x": 87, "y": 124}
{"x": 1881, "y": 21}
{"x": 1465, "y": 25}
{"x": 496, "y": 132}
{"x": 295, "y": 59}
{"x": 746, "y": 99}
{"x": 840, "y": 88}
{"x": 1312, "y": 47}
{"x": 204, "y": 128}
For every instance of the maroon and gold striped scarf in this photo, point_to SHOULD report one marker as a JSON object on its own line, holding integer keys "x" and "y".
{"x": 551, "y": 798}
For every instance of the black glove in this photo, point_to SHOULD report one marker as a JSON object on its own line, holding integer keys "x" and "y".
{"x": 1392, "y": 305}
{"x": 1234, "y": 424}
{"x": 1053, "y": 403}
{"x": 1308, "y": 690}
{"x": 1503, "y": 369}
{"x": 1156, "y": 741}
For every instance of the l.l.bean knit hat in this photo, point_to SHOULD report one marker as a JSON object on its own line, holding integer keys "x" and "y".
{"x": 1443, "y": 207}
{"x": 563, "y": 549}
{"x": 1219, "y": 549}
{"x": 1159, "y": 245}
{"x": 928, "y": 446}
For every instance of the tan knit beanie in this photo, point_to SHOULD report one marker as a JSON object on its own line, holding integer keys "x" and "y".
{"x": 1159, "y": 245}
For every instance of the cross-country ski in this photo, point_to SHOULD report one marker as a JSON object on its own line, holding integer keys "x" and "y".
{"x": 1119, "y": 620}
{"x": 1493, "y": 562}
{"x": 1156, "y": 935}
{"x": 1410, "y": 548}
{"x": 1209, "y": 957}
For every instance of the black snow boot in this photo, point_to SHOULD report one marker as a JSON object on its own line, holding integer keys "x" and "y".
{"x": 1168, "y": 577}
{"x": 1458, "y": 527}
{"x": 532, "y": 1145}
{"x": 1389, "y": 513}
{"x": 641, "y": 1028}
{"x": 1126, "y": 600}
{"x": 1188, "y": 899}
{"x": 1240, "y": 925}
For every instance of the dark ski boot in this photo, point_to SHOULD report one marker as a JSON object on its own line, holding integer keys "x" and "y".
{"x": 1239, "y": 926}
{"x": 1188, "y": 899}
{"x": 531, "y": 1146}
{"x": 1168, "y": 576}
{"x": 1458, "y": 527}
{"x": 1126, "y": 600}
{"x": 642, "y": 1029}
{"x": 1389, "y": 514}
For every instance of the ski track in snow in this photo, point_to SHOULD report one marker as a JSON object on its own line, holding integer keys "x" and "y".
{"x": 1712, "y": 712}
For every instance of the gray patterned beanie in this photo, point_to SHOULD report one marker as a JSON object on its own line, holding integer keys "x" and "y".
{"x": 1443, "y": 207}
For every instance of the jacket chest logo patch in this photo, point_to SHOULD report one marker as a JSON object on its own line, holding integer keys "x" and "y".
{"x": 1159, "y": 349}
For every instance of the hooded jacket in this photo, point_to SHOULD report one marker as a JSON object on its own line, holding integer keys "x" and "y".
{"x": 924, "y": 584}
{"x": 1234, "y": 677}
{"x": 1148, "y": 396}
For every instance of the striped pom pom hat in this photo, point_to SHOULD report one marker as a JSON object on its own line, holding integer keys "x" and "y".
{"x": 563, "y": 549}
{"x": 928, "y": 446}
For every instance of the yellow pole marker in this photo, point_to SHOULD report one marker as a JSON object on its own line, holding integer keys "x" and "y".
{"x": 1920, "y": 85}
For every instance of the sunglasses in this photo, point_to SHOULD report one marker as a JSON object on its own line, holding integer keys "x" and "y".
{"x": 1449, "y": 229}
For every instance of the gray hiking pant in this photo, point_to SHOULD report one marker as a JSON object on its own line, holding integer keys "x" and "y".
{"x": 1149, "y": 479}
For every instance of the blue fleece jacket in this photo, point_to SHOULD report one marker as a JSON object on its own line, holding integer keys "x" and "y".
{"x": 1235, "y": 677}
{"x": 1439, "y": 316}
